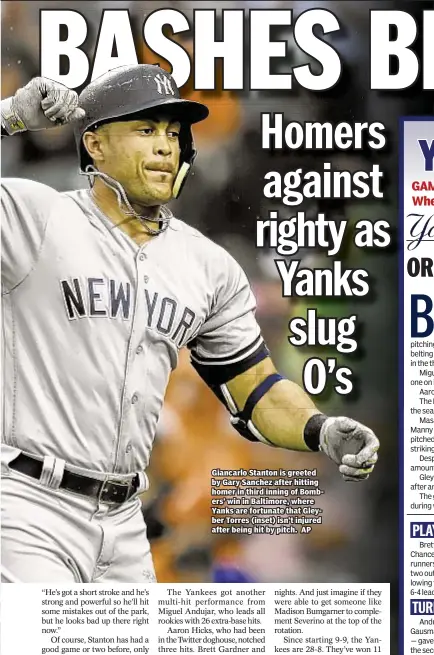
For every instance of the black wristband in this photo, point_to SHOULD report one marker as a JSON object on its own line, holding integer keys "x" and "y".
{"x": 312, "y": 430}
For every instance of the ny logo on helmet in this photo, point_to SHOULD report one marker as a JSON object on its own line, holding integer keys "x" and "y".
{"x": 164, "y": 85}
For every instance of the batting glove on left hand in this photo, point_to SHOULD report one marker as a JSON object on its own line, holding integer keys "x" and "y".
{"x": 41, "y": 104}
{"x": 351, "y": 445}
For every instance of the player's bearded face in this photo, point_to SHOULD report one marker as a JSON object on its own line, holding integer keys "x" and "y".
{"x": 143, "y": 155}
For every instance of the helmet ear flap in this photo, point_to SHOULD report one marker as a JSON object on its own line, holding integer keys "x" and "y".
{"x": 180, "y": 179}
{"x": 188, "y": 155}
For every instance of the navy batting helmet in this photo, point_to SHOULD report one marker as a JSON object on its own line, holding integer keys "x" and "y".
{"x": 130, "y": 92}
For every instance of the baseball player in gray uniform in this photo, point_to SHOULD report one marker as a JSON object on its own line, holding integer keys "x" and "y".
{"x": 101, "y": 288}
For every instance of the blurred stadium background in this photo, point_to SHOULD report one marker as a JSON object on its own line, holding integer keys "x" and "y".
{"x": 358, "y": 540}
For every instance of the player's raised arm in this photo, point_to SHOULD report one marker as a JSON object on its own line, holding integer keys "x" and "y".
{"x": 231, "y": 357}
{"x": 26, "y": 204}
{"x": 41, "y": 104}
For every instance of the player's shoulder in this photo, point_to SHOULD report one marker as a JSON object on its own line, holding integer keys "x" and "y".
{"x": 186, "y": 231}
{"x": 26, "y": 186}
{"x": 29, "y": 191}
{"x": 23, "y": 196}
{"x": 79, "y": 196}
{"x": 199, "y": 243}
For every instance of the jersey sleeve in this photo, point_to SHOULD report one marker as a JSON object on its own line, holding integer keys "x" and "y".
{"x": 229, "y": 342}
{"x": 25, "y": 208}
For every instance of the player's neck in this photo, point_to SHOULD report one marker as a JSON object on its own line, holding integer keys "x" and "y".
{"x": 106, "y": 199}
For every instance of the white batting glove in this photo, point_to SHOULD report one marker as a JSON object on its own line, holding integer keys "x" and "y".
{"x": 351, "y": 445}
{"x": 39, "y": 105}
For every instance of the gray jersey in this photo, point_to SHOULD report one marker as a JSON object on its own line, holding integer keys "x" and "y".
{"x": 93, "y": 323}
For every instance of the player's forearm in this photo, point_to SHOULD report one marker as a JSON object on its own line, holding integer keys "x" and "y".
{"x": 282, "y": 413}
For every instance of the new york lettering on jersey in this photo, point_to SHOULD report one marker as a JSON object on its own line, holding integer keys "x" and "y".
{"x": 97, "y": 296}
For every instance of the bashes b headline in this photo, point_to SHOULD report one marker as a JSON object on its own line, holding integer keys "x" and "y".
{"x": 245, "y": 43}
